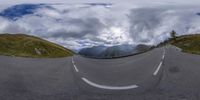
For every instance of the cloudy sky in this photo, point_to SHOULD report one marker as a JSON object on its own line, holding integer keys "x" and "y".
{"x": 110, "y": 1}
{"x": 77, "y": 24}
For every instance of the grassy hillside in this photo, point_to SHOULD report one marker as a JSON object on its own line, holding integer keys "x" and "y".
{"x": 30, "y": 46}
{"x": 188, "y": 43}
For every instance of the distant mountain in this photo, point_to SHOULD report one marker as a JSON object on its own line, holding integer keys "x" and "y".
{"x": 93, "y": 51}
{"x": 114, "y": 51}
{"x": 117, "y": 51}
{"x": 198, "y": 14}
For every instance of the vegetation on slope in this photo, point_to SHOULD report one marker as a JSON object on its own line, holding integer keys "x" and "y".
{"x": 30, "y": 46}
{"x": 188, "y": 43}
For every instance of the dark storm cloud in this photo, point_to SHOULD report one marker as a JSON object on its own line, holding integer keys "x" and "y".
{"x": 144, "y": 20}
{"x": 90, "y": 26}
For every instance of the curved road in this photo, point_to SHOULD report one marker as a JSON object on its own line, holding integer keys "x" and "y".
{"x": 160, "y": 74}
{"x": 140, "y": 71}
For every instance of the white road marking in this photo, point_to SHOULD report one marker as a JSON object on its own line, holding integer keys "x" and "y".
{"x": 163, "y": 57}
{"x": 76, "y": 68}
{"x": 72, "y": 60}
{"x": 117, "y": 87}
{"x": 74, "y": 65}
{"x": 109, "y": 87}
{"x": 160, "y": 64}
{"x": 179, "y": 49}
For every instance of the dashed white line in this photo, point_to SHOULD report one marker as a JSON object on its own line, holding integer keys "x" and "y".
{"x": 72, "y": 60}
{"x": 116, "y": 87}
{"x": 160, "y": 64}
{"x": 109, "y": 87}
{"x": 163, "y": 57}
{"x": 76, "y": 69}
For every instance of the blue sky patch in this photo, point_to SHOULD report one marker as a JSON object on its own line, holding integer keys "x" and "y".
{"x": 17, "y": 11}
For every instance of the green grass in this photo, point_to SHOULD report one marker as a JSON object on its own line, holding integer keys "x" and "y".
{"x": 188, "y": 43}
{"x": 30, "y": 46}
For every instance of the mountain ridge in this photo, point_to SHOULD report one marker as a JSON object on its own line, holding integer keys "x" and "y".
{"x": 113, "y": 51}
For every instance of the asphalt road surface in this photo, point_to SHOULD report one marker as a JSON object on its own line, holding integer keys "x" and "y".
{"x": 160, "y": 74}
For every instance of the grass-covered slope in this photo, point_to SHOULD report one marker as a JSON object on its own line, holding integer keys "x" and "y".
{"x": 30, "y": 46}
{"x": 188, "y": 43}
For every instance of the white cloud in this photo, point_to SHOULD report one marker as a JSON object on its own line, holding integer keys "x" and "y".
{"x": 111, "y": 1}
{"x": 77, "y": 26}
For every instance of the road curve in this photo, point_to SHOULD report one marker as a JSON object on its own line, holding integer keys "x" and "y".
{"x": 160, "y": 74}
{"x": 133, "y": 72}
{"x": 36, "y": 79}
